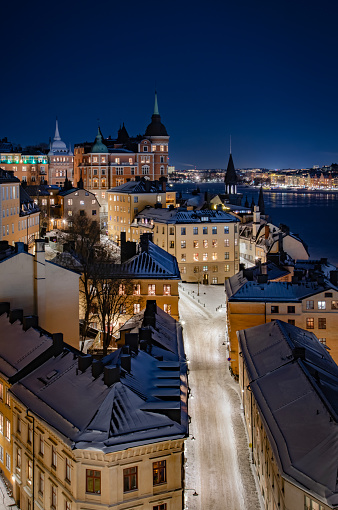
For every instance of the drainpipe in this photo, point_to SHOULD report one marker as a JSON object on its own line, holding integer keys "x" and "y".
{"x": 33, "y": 447}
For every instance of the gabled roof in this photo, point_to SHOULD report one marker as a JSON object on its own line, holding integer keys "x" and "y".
{"x": 295, "y": 384}
{"x": 141, "y": 186}
{"x": 183, "y": 216}
{"x": 230, "y": 174}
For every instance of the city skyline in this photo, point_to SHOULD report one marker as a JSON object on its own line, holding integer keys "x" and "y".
{"x": 263, "y": 74}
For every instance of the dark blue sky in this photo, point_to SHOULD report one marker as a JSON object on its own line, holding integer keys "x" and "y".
{"x": 263, "y": 71}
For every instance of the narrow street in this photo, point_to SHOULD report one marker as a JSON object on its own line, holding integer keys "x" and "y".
{"x": 218, "y": 466}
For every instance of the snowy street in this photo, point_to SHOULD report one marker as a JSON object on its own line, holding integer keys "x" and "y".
{"x": 218, "y": 466}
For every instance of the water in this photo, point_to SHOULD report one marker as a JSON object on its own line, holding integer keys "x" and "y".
{"x": 310, "y": 214}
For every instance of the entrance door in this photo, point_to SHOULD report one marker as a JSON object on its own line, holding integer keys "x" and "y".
{"x": 205, "y": 279}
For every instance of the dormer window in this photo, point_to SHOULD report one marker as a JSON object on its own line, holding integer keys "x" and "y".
{"x": 145, "y": 148}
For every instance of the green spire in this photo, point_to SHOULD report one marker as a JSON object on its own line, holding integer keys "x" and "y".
{"x": 156, "y": 112}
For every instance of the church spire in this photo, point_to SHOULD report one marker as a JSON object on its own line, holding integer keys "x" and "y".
{"x": 156, "y": 112}
{"x": 57, "y": 134}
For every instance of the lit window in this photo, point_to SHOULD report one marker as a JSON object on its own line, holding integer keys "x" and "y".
{"x": 226, "y": 255}
{"x": 153, "y": 148}
{"x": 29, "y": 472}
{"x": 130, "y": 479}
{"x": 159, "y": 472}
{"x": 93, "y": 481}
{"x": 151, "y": 290}
{"x": 183, "y": 270}
{"x": 183, "y": 257}
{"x": 205, "y": 256}
{"x": 183, "y": 244}
{"x": 205, "y": 268}
{"x": 8, "y": 430}
{"x": 214, "y": 243}
{"x": 70, "y": 201}
{"x": 8, "y": 397}
{"x": 166, "y": 290}
{"x": 137, "y": 289}
{"x": 195, "y": 244}
{"x": 214, "y": 269}
{"x": 205, "y": 243}
{"x": 274, "y": 309}
{"x": 310, "y": 323}
{"x": 162, "y": 148}
{"x": 167, "y": 309}
{"x": 195, "y": 257}
{"x": 215, "y": 280}
{"x": 122, "y": 289}
{"x": 322, "y": 340}
{"x": 310, "y": 304}
{"x": 137, "y": 307}
{"x": 321, "y": 305}
{"x": 54, "y": 457}
{"x": 54, "y": 497}
{"x": 214, "y": 256}
{"x": 68, "y": 470}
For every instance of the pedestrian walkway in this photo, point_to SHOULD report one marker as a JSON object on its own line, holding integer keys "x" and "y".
{"x": 6, "y": 499}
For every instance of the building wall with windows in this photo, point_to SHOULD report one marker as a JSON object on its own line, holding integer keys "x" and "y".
{"x": 31, "y": 169}
{"x": 205, "y": 243}
{"x": 316, "y": 311}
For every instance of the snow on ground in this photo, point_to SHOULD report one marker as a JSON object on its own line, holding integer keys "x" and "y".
{"x": 218, "y": 465}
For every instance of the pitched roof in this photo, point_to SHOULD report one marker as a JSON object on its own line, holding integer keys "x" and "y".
{"x": 141, "y": 186}
{"x": 183, "y": 216}
{"x": 230, "y": 174}
{"x": 295, "y": 384}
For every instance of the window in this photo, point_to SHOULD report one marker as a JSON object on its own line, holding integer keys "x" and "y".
{"x": 70, "y": 213}
{"x": 159, "y": 472}
{"x": 171, "y": 231}
{"x": 1, "y": 454}
{"x": 291, "y": 309}
{"x": 151, "y": 289}
{"x": 172, "y": 244}
{"x": 334, "y": 305}
{"x": 137, "y": 289}
{"x": 321, "y": 323}
{"x": 214, "y": 243}
{"x": 183, "y": 270}
{"x": 183, "y": 244}
{"x": 145, "y": 149}
{"x": 214, "y": 279}
{"x": 310, "y": 304}
{"x": 68, "y": 505}
{"x": 292, "y": 322}
{"x": 163, "y": 506}
{"x": 310, "y": 323}
{"x": 8, "y": 430}
{"x": 183, "y": 231}
{"x": 205, "y": 243}
{"x": 195, "y": 244}
{"x": 166, "y": 290}
{"x": 29, "y": 434}
{"x": 18, "y": 458}
{"x": 93, "y": 481}
{"x": 214, "y": 230}
{"x": 214, "y": 269}
{"x": 54, "y": 457}
{"x": 41, "y": 483}
{"x": 135, "y": 200}
{"x": 137, "y": 307}
{"x": 8, "y": 397}
{"x": 274, "y": 309}
{"x": 196, "y": 257}
{"x": 195, "y": 231}
{"x": 205, "y": 268}
{"x": 70, "y": 201}
{"x": 2, "y": 390}
{"x": 18, "y": 425}
{"x": 29, "y": 472}
{"x": 167, "y": 309}
{"x": 226, "y": 268}
{"x": 205, "y": 256}
{"x": 8, "y": 461}
{"x": 214, "y": 256}
{"x": 183, "y": 257}
{"x": 68, "y": 470}
{"x": 122, "y": 289}
{"x": 322, "y": 340}
{"x": 226, "y": 230}
{"x": 226, "y": 255}
{"x": 205, "y": 230}
{"x": 196, "y": 269}
{"x": 130, "y": 479}
{"x": 321, "y": 305}
{"x": 53, "y": 497}
{"x": 1, "y": 423}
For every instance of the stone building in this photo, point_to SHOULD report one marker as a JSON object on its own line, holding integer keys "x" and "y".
{"x": 61, "y": 160}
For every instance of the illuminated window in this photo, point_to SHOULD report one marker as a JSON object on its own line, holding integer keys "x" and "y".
{"x": 321, "y": 305}
{"x": 205, "y": 268}
{"x": 151, "y": 290}
{"x": 137, "y": 289}
{"x": 183, "y": 270}
{"x": 226, "y": 268}
{"x": 68, "y": 470}
{"x": 137, "y": 307}
{"x": 93, "y": 481}
{"x": 166, "y": 290}
{"x": 8, "y": 397}
{"x": 214, "y": 279}
{"x": 183, "y": 257}
{"x": 172, "y": 244}
{"x": 167, "y": 309}
{"x": 205, "y": 243}
{"x": 54, "y": 457}
{"x": 334, "y": 305}
{"x": 162, "y": 148}
{"x": 310, "y": 323}
{"x": 1, "y": 391}
{"x": 122, "y": 289}
{"x": 159, "y": 472}
{"x": 195, "y": 257}
{"x": 214, "y": 256}
{"x": 130, "y": 479}
{"x": 153, "y": 148}
{"x": 322, "y": 340}
{"x": 8, "y": 430}
{"x": 195, "y": 244}
{"x": 214, "y": 243}
{"x": 214, "y": 269}
{"x": 226, "y": 255}
{"x": 183, "y": 244}
{"x": 205, "y": 256}
{"x": 310, "y": 304}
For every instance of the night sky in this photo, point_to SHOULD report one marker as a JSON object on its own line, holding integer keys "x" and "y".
{"x": 263, "y": 71}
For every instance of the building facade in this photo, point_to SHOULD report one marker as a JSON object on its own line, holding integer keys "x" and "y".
{"x": 61, "y": 160}
{"x": 31, "y": 169}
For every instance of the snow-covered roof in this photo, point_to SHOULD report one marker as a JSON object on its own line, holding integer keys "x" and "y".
{"x": 238, "y": 288}
{"x": 295, "y": 384}
{"x": 183, "y": 216}
{"x": 141, "y": 186}
{"x": 146, "y": 403}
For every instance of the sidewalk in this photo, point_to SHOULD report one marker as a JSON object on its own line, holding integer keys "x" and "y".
{"x": 6, "y": 500}
{"x": 210, "y": 297}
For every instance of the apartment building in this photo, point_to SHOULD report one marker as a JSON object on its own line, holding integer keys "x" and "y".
{"x": 31, "y": 169}
{"x": 127, "y": 200}
{"x": 288, "y": 385}
{"x": 309, "y": 303}
{"x": 122, "y": 445}
{"x": 205, "y": 243}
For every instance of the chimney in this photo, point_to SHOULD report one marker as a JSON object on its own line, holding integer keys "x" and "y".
{"x": 40, "y": 283}
{"x": 256, "y": 220}
{"x": 111, "y": 374}
{"x": 4, "y": 307}
{"x": 30, "y": 321}
{"x": 15, "y": 314}
{"x": 132, "y": 340}
{"x": 57, "y": 343}
{"x": 266, "y": 231}
{"x": 333, "y": 278}
{"x": 97, "y": 368}
{"x": 262, "y": 278}
{"x": 149, "y": 318}
{"x": 126, "y": 362}
{"x": 144, "y": 241}
{"x": 83, "y": 362}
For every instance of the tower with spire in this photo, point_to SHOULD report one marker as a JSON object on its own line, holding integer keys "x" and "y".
{"x": 61, "y": 160}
